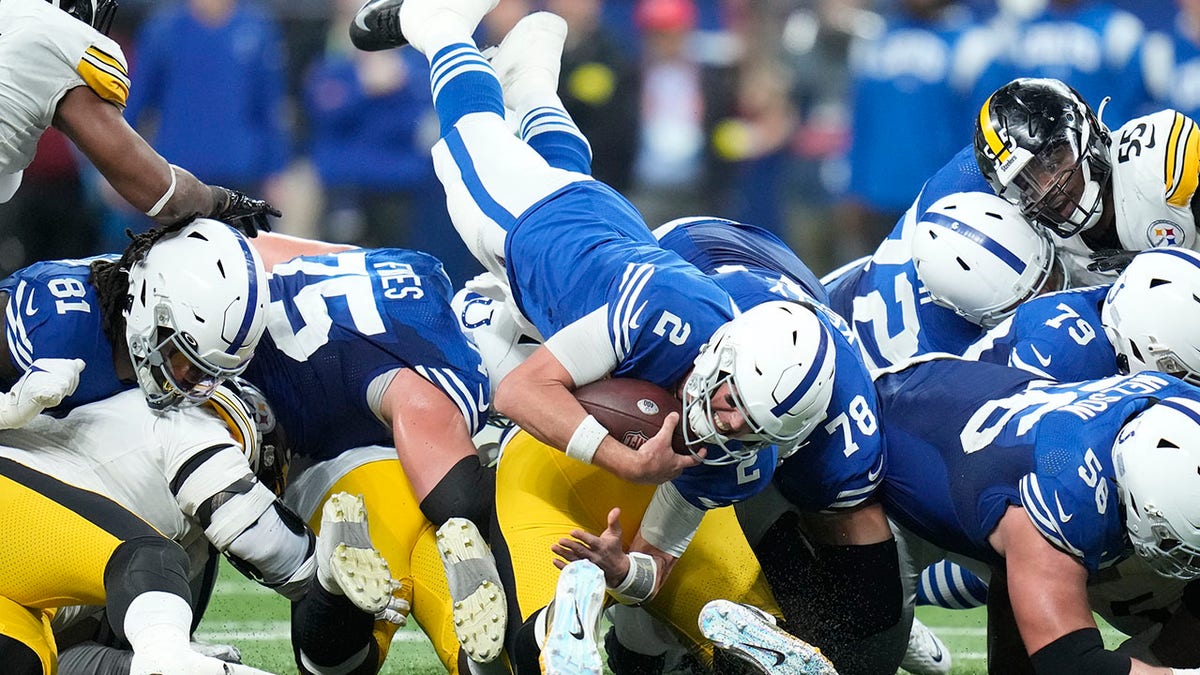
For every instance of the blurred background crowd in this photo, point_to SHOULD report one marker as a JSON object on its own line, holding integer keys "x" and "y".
{"x": 817, "y": 119}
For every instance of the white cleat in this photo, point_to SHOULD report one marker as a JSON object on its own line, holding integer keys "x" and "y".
{"x": 480, "y": 607}
{"x": 421, "y": 18}
{"x": 751, "y": 635}
{"x": 530, "y": 56}
{"x": 926, "y": 654}
{"x": 574, "y": 623}
{"x": 347, "y": 563}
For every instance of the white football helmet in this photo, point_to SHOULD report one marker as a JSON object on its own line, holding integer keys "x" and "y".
{"x": 1157, "y": 461}
{"x": 779, "y": 360}
{"x": 197, "y": 308}
{"x": 1151, "y": 314}
{"x": 977, "y": 256}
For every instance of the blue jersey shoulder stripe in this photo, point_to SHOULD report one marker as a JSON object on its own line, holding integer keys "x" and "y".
{"x": 1043, "y": 518}
{"x": 18, "y": 341}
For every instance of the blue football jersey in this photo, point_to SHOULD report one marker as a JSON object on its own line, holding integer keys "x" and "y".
{"x": 885, "y": 302}
{"x": 588, "y": 248}
{"x": 840, "y": 463}
{"x": 719, "y": 246}
{"x": 967, "y": 440}
{"x": 708, "y": 486}
{"x": 337, "y": 322}
{"x": 54, "y": 313}
{"x": 1057, "y": 336}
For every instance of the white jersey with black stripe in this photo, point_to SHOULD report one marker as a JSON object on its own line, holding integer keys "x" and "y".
{"x": 44, "y": 53}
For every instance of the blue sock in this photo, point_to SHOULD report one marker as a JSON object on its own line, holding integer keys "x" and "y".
{"x": 463, "y": 82}
{"x": 553, "y": 134}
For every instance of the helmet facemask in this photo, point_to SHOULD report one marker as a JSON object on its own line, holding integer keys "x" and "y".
{"x": 778, "y": 360}
{"x": 714, "y": 368}
{"x": 98, "y": 14}
{"x": 1062, "y": 187}
{"x": 169, "y": 370}
{"x": 1161, "y": 548}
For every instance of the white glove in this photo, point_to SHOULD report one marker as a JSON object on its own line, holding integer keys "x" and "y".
{"x": 396, "y": 612}
{"x": 226, "y": 653}
{"x": 44, "y": 385}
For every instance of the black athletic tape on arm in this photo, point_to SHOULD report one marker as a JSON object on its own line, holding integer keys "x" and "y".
{"x": 189, "y": 467}
{"x": 140, "y": 565}
{"x": 1082, "y": 652}
{"x": 468, "y": 490}
{"x": 239, "y": 487}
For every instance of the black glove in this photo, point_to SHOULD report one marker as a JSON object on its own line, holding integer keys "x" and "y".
{"x": 241, "y": 211}
{"x": 1110, "y": 260}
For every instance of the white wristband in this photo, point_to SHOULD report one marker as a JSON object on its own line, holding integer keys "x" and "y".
{"x": 162, "y": 201}
{"x": 586, "y": 439}
{"x": 1185, "y": 671}
{"x": 638, "y": 585}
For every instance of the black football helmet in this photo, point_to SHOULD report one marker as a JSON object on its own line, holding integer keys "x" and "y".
{"x": 1040, "y": 146}
{"x": 96, "y": 13}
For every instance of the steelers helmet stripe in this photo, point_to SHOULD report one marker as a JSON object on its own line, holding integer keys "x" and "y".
{"x": 233, "y": 412}
{"x": 990, "y": 135}
{"x": 1183, "y": 161}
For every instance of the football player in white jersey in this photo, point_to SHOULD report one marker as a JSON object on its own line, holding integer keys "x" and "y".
{"x": 58, "y": 68}
{"x": 1041, "y": 147}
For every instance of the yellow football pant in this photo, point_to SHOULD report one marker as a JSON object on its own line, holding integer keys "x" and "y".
{"x": 541, "y": 495}
{"x": 54, "y": 547}
{"x": 406, "y": 539}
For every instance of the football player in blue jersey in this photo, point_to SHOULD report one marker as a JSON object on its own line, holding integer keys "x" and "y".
{"x": 583, "y": 266}
{"x": 176, "y": 314}
{"x": 1145, "y": 320}
{"x": 1048, "y": 485}
{"x": 374, "y": 330}
{"x": 586, "y": 271}
{"x": 832, "y": 479}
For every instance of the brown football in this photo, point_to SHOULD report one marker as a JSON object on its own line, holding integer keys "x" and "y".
{"x": 632, "y": 410}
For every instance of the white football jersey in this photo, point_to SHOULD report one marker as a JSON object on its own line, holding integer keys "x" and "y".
{"x": 44, "y": 53}
{"x": 161, "y": 467}
{"x": 1156, "y": 167}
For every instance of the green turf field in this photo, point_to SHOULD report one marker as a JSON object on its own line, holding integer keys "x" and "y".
{"x": 256, "y": 620}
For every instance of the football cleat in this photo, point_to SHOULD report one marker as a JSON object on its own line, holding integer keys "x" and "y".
{"x": 376, "y": 26}
{"x": 480, "y": 608}
{"x": 926, "y": 653}
{"x": 530, "y": 56}
{"x": 347, "y": 563}
{"x": 574, "y": 622}
{"x": 750, "y": 635}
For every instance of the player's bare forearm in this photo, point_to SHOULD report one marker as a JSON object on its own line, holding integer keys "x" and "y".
{"x": 429, "y": 431}
{"x": 134, "y": 169}
{"x": 275, "y": 248}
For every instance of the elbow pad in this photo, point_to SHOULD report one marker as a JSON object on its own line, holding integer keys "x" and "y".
{"x": 1082, "y": 652}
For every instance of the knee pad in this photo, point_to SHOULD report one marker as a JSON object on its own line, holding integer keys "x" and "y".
{"x": 140, "y": 565}
{"x": 468, "y": 490}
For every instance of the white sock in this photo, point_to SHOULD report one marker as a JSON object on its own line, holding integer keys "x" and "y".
{"x": 157, "y": 621}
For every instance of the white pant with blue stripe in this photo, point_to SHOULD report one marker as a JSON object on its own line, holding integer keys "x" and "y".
{"x": 491, "y": 179}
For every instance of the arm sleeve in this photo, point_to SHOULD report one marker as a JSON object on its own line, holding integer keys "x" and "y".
{"x": 584, "y": 347}
{"x": 670, "y": 521}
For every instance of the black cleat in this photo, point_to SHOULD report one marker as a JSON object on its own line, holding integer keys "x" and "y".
{"x": 376, "y": 26}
